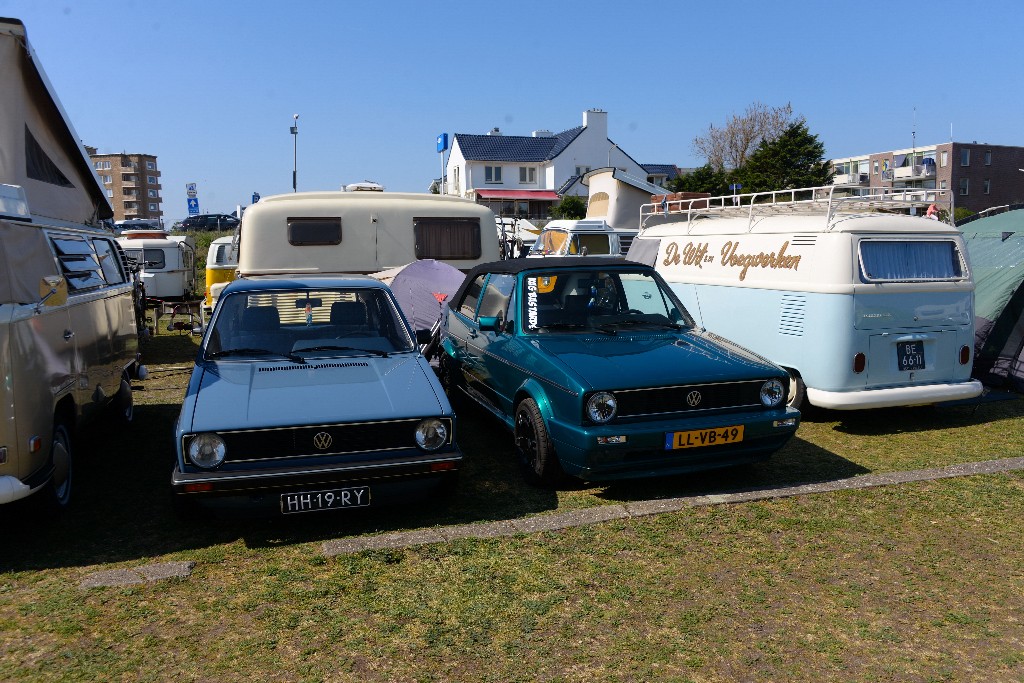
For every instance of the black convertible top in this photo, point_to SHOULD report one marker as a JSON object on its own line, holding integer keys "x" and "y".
{"x": 518, "y": 265}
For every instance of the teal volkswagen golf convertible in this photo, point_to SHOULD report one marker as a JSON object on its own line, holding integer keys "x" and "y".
{"x": 600, "y": 373}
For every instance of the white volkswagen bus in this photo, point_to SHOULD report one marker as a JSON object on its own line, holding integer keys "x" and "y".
{"x": 864, "y": 300}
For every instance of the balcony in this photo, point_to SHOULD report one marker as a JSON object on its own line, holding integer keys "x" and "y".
{"x": 849, "y": 178}
{"x": 916, "y": 172}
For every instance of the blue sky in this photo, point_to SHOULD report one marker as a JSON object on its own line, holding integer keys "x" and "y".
{"x": 210, "y": 87}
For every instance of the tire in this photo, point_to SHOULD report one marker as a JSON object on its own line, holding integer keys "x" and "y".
{"x": 797, "y": 390}
{"x": 448, "y": 374}
{"x": 59, "y": 488}
{"x": 533, "y": 444}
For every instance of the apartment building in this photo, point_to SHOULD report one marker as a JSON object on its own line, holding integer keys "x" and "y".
{"x": 979, "y": 175}
{"x": 131, "y": 183}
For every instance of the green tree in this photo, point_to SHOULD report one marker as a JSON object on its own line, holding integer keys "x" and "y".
{"x": 796, "y": 158}
{"x": 703, "y": 179}
{"x": 571, "y": 207}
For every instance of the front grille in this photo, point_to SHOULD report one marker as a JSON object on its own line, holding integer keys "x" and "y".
{"x": 291, "y": 442}
{"x": 661, "y": 400}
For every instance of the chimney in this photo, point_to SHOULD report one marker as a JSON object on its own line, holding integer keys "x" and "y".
{"x": 543, "y": 134}
{"x": 495, "y": 131}
{"x": 597, "y": 121}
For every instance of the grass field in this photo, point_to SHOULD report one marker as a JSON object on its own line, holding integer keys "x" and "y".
{"x": 917, "y": 582}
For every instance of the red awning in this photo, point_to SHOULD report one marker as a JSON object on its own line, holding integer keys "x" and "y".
{"x": 546, "y": 195}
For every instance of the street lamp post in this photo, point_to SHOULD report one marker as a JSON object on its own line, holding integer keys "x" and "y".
{"x": 295, "y": 152}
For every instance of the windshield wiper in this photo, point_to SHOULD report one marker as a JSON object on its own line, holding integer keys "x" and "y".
{"x": 255, "y": 352}
{"x": 574, "y": 326}
{"x": 331, "y": 347}
{"x": 635, "y": 323}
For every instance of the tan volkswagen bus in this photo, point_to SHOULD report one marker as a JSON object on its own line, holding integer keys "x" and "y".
{"x": 68, "y": 334}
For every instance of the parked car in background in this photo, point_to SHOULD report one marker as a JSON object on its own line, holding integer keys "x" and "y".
{"x": 600, "y": 373}
{"x": 309, "y": 393}
{"x": 213, "y": 222}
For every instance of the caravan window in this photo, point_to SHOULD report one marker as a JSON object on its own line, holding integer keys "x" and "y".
{"x": 447, "y": 238}
{"x": 910, "y": 261}
{"x": 148, "y": 258}
{"x": 306, "y": 232}
{"x": 79, "y": 263}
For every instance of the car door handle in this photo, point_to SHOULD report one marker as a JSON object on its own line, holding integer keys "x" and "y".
{"x": 68, "y": 334}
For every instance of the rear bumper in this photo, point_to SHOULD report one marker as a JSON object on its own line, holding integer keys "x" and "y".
{"x": 892, "y": 397}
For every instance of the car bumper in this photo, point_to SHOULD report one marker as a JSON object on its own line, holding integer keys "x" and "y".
{"x": 924, "y": 394}
{"x": 388, "y": 481}
{"x": 644, "y": 453}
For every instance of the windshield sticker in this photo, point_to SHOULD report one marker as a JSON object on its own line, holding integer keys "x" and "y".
{"x": 697, "y": 255}
{"x": 531, "y": 302}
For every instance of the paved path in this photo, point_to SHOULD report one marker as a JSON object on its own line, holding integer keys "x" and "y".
{"x": 605, "y": 513}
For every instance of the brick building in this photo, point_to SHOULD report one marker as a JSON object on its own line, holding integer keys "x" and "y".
{"x": 131, "y": 183}
{"x": 979, "y": 175}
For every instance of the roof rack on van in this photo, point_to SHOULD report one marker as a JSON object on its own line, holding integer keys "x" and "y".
{"x": 831, "y": 201}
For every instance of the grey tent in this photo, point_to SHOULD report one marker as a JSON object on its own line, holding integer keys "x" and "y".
{"x": 995, "y": 244}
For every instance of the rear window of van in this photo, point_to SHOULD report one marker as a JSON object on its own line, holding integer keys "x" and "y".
{"x": 911, "y": 261}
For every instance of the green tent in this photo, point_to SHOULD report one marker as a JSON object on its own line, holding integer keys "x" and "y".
{"x": 995, "y": 243}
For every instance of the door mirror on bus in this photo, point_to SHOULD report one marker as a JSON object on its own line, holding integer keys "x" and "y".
{"x": 53, "y": 291}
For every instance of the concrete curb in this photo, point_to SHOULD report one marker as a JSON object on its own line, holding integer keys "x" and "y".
{"x": 605, "y": 513}
{"x": 144, "y": 574}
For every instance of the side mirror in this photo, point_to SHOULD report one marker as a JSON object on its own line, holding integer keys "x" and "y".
{"x": 53, "y": 291}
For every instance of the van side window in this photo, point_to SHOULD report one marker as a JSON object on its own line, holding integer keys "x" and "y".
{"x": 78, "y": 262}
{"x": 447, "y": 238}
{"x": 467, "y": 306}
{"x": 303, "y": 232}
{"x": 594, "y": 244}
{"x": 109, "y": 261}
{"x": 910, "y": 260}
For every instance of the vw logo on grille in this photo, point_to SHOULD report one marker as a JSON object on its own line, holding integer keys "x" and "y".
{"x": 693, "y": 399}
{"x": 322, "y": 440}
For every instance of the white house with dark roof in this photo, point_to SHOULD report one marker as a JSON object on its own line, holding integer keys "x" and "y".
{"x": 524, "y": 175}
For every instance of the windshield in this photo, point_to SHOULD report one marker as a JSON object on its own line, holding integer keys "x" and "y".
{"x": 603, "y": 301}
{"x": 550, "y": 242}
{"x": 300, "y": 323}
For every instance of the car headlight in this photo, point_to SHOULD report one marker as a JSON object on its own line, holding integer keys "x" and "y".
{"x": 431, "y": 434}
{"x": 601, "y": 407}
{"x": 772, "y": 393}
{"x": 206, "y": 450}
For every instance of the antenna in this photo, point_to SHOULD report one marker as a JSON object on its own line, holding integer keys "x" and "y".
{"x": 913, "y": 133}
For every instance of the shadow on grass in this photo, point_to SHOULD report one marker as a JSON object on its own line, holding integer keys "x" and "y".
{"x": 917, "y": 419}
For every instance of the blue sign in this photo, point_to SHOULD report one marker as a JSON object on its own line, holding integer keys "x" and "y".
{"x": 735, "y": 186}
{"x": 255, "y": 197}
{"x": 193, "y": 206}
{"x": 442, "y": 142}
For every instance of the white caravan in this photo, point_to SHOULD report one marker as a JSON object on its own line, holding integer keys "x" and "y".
{"x": 362, "y": 232}
{"x": 167, "y": 262}
{"x": 865, "y": 304}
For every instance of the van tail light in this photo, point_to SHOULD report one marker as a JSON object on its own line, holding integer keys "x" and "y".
{"x": 860, "y": 361}
{"x": 965, "y": 355}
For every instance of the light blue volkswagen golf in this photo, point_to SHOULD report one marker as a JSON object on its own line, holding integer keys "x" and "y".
{"x": 600, "y": 373}
{"x": 311, "y": 394}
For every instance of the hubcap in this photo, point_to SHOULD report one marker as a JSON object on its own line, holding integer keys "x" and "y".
{"x": 61, "y": 469}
